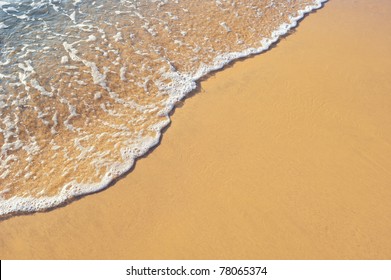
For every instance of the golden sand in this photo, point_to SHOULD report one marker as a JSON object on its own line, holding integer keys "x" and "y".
{"x": 286, "y": 155}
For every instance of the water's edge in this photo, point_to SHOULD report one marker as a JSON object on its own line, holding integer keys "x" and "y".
{"x": 71, "y": 192}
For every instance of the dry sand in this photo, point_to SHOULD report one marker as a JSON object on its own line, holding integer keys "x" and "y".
{"x": 286, "y": 155}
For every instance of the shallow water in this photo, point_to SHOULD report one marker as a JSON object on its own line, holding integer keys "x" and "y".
{"x": 86, "y": 86}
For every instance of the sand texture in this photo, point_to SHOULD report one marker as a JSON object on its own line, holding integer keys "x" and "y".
{"x": 286, "y": 155}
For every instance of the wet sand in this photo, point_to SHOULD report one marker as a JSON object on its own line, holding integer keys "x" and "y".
{"x": 286, "y": 155}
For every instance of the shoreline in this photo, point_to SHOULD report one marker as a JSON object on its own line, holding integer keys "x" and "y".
{"x": 280, "y": 156}
{"x": 33, "y": 204}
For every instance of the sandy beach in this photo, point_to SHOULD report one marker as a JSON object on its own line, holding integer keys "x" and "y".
{"x": 285, "y": 155}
